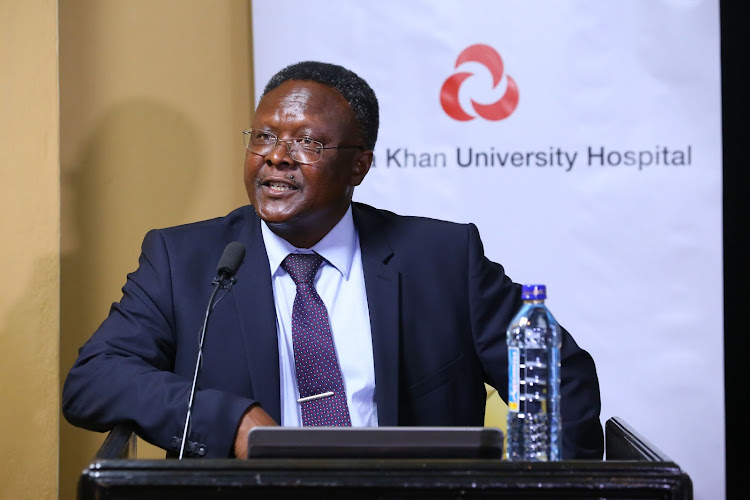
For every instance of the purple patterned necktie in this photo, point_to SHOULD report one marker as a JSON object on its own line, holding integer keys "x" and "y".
{"x": 321, "y": 387}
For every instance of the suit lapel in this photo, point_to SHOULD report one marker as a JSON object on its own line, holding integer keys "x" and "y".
{"x": 382, "y": 286}
{"x": 253, "y": 295}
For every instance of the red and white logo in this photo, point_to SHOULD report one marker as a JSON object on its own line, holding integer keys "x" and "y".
{"x": 490, "y": 59}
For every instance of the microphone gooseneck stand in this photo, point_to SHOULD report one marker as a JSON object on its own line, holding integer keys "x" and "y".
{"x": 230, "y": 261}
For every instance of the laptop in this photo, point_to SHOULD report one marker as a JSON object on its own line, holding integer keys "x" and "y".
{"x": 375, "y": 442}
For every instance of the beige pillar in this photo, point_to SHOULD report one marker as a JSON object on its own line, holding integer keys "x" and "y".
{"x": 29, "y": 252}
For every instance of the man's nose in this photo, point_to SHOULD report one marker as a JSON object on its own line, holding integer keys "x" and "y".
{"x": 277, "y": 155}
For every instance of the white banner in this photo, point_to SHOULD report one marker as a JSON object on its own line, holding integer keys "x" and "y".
{"x": 584, "y": 140}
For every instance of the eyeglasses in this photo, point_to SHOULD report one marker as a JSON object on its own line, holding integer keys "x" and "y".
{"x": 301, "y": 150}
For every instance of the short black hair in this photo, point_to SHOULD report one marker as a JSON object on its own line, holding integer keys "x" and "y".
{"x": 355, "y": 89}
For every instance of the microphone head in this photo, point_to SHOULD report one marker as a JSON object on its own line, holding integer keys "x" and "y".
{"x": 231, "y": 259}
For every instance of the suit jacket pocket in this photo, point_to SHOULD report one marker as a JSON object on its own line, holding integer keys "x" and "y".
{"x": 438, "y": 378}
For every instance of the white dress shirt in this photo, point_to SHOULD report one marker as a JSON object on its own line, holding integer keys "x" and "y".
{"x": 340, "y": 282}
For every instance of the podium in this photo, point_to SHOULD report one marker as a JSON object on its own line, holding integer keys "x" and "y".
{"x": 633, "y": 469}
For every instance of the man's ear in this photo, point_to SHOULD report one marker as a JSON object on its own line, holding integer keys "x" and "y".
{"x": 361, "y": 167}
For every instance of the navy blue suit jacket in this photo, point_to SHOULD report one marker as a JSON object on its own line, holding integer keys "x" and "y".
{"x": 438, "y": 312}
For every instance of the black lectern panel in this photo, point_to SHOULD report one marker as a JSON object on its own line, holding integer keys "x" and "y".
{"x": 643, "y": 476}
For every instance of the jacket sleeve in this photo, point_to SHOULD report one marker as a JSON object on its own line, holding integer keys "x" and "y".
{"x": 125, "y": 372}
{"x": 494, "y": 300}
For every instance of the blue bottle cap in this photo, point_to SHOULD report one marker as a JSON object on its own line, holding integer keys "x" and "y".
{"x": 534, "y": 292}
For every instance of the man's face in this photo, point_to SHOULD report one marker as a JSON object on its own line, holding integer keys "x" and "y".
{"x": 302, "y": 202}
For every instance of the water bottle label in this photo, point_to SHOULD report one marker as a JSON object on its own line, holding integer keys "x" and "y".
{"x": 514, "y": 382}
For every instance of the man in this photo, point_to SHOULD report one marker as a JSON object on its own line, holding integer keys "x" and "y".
{"x": 415, "y": 311}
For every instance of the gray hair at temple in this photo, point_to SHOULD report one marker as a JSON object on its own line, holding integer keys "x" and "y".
{"x": 356, "y": 91}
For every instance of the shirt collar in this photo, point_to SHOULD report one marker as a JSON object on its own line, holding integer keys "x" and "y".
{"x": 337, "y": 247}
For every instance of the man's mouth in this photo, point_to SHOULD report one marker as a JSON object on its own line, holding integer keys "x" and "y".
{"x": 278, "y": 187}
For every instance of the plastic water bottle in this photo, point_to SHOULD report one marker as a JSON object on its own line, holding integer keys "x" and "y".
{"x": 534, "y": 340}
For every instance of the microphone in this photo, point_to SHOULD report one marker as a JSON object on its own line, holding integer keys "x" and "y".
{"x": 230, "y": 261}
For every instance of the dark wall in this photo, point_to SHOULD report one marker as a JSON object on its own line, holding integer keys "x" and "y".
{"x": 736, "y": 137}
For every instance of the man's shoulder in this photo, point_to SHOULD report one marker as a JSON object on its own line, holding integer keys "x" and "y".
{"x": 368, "y": 215}
{"x": 234, "y": 220}
{"x": 240, "y": 224}
{"x": 386, "y": 231}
